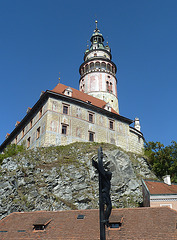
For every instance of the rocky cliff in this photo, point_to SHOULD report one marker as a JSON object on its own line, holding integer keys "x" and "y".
{"x": 57, "y": 178}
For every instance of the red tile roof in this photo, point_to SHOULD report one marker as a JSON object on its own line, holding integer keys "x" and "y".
{"x": 160, "y": 187}
{"x": 60, "y": 88}
{"x": 136, "y": 224}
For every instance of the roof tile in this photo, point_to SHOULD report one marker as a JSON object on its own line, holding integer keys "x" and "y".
{"x": 160, "y": 187}
{"x": 60, "y": 88}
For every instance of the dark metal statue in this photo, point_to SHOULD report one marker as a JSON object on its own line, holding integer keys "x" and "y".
{"x": 105, "y": 204}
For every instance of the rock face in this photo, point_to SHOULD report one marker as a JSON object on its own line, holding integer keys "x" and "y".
{"x": 58, "y": 178}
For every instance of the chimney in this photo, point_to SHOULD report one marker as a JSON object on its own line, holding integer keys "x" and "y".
{"x": 167, "y": 179}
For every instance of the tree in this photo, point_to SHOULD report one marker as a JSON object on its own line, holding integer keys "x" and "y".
{"x": 162, "y": 159}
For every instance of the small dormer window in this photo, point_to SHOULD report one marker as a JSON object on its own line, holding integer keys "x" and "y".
{"x": 41, "y": 224}
{"x": 107, "y": 107}
{"x": 68, "y": 92}
{"x": 115, "y": 225}
{"x": 80, "y": 216}
{"x": 38, "y": 227}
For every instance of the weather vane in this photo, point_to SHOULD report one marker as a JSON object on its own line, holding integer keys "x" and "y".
{"x": 96, "y": 30}
{"x": 96, "y": 23}
{"x": 59, "y": 77}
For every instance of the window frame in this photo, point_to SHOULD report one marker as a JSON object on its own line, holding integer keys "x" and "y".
{"x": 111, "y": 124}
{"x": 91, "y": 117}
{"x": 38, "y": 132}
{"x": 64, "y": 127}
{"x": 28, "y": 142}
{"x": 65, "y": 106}
{"x": 91, "y": 136}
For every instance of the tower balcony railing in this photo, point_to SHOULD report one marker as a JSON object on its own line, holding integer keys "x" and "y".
{"x": 98, "y": 70}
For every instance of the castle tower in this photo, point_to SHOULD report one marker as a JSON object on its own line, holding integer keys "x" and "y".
{"x": 98, "y": 72}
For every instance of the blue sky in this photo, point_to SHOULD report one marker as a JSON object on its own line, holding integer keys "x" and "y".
{"x": 40, "y": 38}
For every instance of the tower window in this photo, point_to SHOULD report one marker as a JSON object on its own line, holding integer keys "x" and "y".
{"x": 91, "y": 136}
{"x": 110, "y": 87}
{"x": 103, "y": 65}
{"x": 108, "y": 67}
{"x": 65, "y": 109}
{"x": 92, "y": 64}
{"x": 86, "y": 68}
{"x": 64, "y": 129}
{"x": 97, "y": 65}
{"x": 107, "y": 86}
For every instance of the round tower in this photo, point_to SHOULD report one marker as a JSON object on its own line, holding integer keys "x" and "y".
{"x": 98, "y": 72}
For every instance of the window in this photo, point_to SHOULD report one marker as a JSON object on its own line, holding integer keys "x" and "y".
{"x": 23, "y": 132}
{"x": 65, "y": 109}
{"x": 31, "y": 123}
{"x": 39, "y": 227}
{"x": 40, "y": 113}
{"x": 80, "y": 216}
{"x": 16, "y": 140}
{"x": 91, "y": 136}
{"x": 64, "y": 129}
{"x": 107, "y": 86}
{"x": 28, "y": 142}
{"x": 111, "y": 124}
{"x": 97, "y": 65}
{"x": 38, "y": 132}
{"x": 115, "y": 225}
{"x": 110, "y": 87}
{"x": 91, "y": 117}
{"x": 91, "y": 65}
{"x": 86, "y": 68}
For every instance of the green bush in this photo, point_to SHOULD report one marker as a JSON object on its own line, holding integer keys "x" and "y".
{"x": 11, "y": 150}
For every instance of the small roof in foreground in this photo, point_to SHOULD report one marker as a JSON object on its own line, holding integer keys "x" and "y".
{"x": 156, "y": 187}
{"x": 135, "y": 224}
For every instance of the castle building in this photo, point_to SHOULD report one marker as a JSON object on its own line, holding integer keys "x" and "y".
{"x": 65, "y": 115}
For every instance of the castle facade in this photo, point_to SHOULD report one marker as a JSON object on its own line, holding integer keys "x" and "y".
{"x": 65, "y": 115}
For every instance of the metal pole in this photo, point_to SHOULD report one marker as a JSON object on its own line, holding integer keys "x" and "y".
{"x": 101, "y": 204}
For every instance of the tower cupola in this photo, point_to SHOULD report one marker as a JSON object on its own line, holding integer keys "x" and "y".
{"x": 98, "y": 72}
